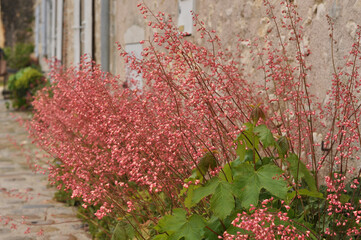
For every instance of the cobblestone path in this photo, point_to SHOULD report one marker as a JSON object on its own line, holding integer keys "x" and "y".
{"x": 26, "y": 201}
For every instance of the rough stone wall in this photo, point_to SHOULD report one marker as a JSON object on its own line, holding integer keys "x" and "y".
{"x": 248, "y": 19}
{"x": 244, "y": 18}
{"x": 68, "y": 42}
{"x": 233, "y": 19}
{"x": 130, "y": 24}
{"x": 97, "y": 26}
{"x": 229, "y": 18}
{"x": 17, "y": 16}
{"x": 346, "y": 16}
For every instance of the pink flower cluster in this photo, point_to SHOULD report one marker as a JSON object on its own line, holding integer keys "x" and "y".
{"x": 103, "y": 136}
{"x": 261, "y": 223}
{"x": 345, "y": 214}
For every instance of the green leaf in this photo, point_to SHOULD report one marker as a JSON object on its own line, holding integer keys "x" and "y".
{"x": 249, "y": 182}
{"x": 241, "y": 147}
{"x": 270, "y": 179}
{"x": 248, "y": 137}
{"x": 172, "y": 223}
{"x": 123, "y": 231}
{"x": 208, "y": 189}
{"x": 250, "y": 156}
{"x": 265, "y": 135}
{"x": 290, "y": 196}
{"x": 162, "y": 236}
{"x": 226, "y": 174}
{"x": 235, "y": 230}
{"x": 344, "y": 198}
{"x": 222, "y": 201}
{"x": 256, "y": 114}
{"x": 282, "y": 146}
{"x": 188, "y": 200}
{"x": 242, "y": 169}
{"x": 298, "y": 167}
{"x": 215, "y": 224}
{"x": 247, "y": 142}
{"x": 306, "y": 192}
{"x": 193, "y": 176}
{"x": 249, "y": 127}
{"x": 267, "y": 160}
{"x": 207, "y": 161}
{"x": 236, "y": 162}
{"x": 251, "y": 139}
{"x": 177, "y": 226}
{"x": 190, "y": 230}
{"x": 246, "y": 185}
{"x": 182, "y": 192}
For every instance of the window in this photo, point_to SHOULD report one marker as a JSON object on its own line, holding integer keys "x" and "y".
{"x": 185, "y": 17}
{"x": 133, "y": 78}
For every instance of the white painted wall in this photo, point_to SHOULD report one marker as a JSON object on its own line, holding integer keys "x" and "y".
{"x": 185, "y": 18}
{"x": 37, "y": 30}
{"x": 44, "y": 28}
{"x": 76, "y": 32}
{"x": 48, "y": 28}
{"x": 53, "y": 28}
{"x": 88, "y": 27}
{"x": 133, "y": 78}
{"x": 59, "y": 29}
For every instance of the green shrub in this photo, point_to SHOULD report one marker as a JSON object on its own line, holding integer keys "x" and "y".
{"x": 24, "y": 85}
{"x": 19, "y": 56}
{"x": 13, "y": 77}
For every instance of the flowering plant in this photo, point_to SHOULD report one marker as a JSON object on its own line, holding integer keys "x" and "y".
{"x": 188, "y": 155}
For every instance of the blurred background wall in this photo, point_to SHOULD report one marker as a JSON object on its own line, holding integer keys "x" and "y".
{"x": 67, "y": 29}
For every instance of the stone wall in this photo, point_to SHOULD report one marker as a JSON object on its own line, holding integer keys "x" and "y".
{"x": 231, "y": 19}
{"x": 68, "y": 17}
{"x": 247, "y": 19}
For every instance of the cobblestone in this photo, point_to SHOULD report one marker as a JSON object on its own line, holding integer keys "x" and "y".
{"x": 26, "y": 200}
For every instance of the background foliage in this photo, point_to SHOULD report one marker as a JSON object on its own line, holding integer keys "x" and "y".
{"x": 19, "y": 56}
{"x": 24, "y": 84}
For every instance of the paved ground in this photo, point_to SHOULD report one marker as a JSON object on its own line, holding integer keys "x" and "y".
{"x": 26, "y": 201}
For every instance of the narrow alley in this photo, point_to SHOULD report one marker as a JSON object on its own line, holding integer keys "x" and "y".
{"x": 27, "y": 207}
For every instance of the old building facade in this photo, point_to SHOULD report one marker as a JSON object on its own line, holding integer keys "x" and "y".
{"x": 67, "y": 29}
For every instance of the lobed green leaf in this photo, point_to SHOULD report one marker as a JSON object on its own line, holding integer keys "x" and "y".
{"x": 172, "y": 223}
{"x": 207, "y": 190}
{"x": 265, "y": 135}
{"x": 222, "y": 201}
{"x": 249, "y": 182}
{"x": 299, "y": 169}
{"x": 190, "y": 230}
